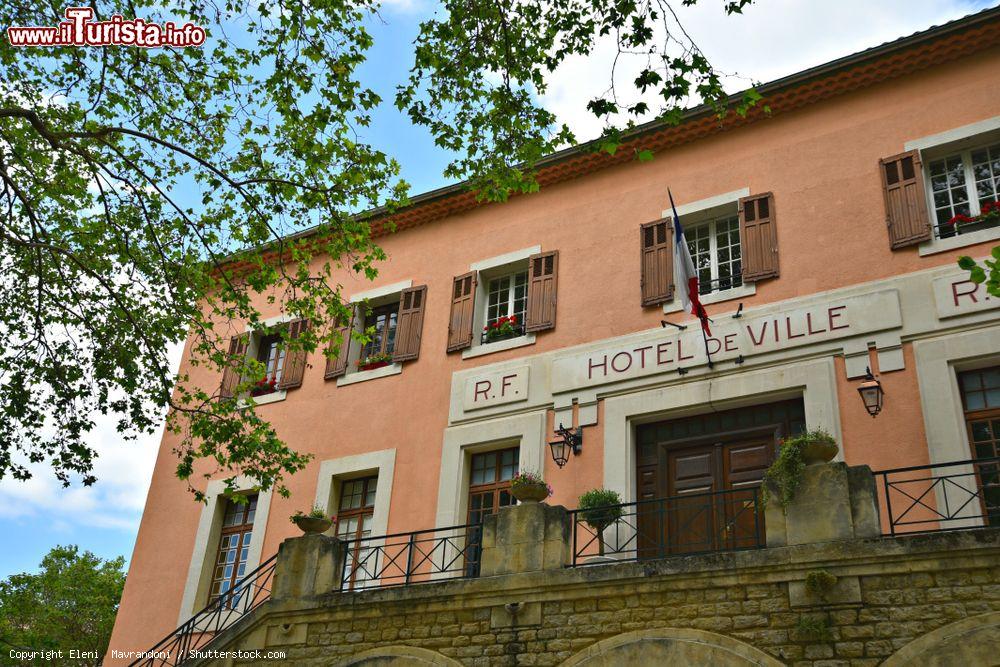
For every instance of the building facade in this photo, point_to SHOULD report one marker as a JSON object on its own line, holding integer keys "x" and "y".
{"x": 823, "y": 228}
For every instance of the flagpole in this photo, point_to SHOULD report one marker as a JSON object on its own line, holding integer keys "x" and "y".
{"x": 704, "y": 337}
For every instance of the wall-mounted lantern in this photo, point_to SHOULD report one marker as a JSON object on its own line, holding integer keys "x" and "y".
{"x": 569, "y": 440}
{"x": 871, "y": 393}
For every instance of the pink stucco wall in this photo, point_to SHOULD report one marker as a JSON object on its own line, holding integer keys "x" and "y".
{"x": 822, "y": 164}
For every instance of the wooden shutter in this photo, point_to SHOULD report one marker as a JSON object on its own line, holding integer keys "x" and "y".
{"x": 463, "y": 301}
{"x": 656, "y": 248}
{"x": 410, "y": 323}
{"x": 295, "y": 360}
{"x": 337, "y": 366}
{"x": 231, "y": 375}
{"x": 758, "y": 237}
{"x": 543, "y": 270}
{"x": 905, "y": 203}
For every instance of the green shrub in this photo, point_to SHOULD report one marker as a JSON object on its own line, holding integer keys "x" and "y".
{"x": 786, "y": 471}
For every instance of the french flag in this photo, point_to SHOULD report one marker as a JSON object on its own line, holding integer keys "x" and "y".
{"x": 685, "y": 277}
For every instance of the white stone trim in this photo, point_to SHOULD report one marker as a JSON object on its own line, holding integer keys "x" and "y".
{"x": 328, "y": 488}
{"x": 955, "y": 134}
{"x": 273, "y": 321}
{"x": 499, "y": 346}
{"x": 206, "y": 541}
{"x": 707, "y": 203}
{"x": 507, "y": 258}
{"x": 379, "y": 292}
{"x": 744, "y": 290}
{"x": 374, "y": 374}
{"x": 938, "y": 362}
{"x": 814, "y": 380}
{"x": 525, "y": 431}
{"x": 935, "y": 246}
{"x": 273, "y": 397}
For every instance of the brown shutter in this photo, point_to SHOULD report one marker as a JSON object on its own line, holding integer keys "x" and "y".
{"x": 758, "y": 237}
{"x": 905, "y": 203}
{"x": 543, "y": 269}
{"x": 337, "y": 366}
{"x": 231, "y": 374}
{"x": 295, "y": 360}
{"x": 463, "y": 301}
{"x": 656, "y": 248}
{"x": 410, "y": 323}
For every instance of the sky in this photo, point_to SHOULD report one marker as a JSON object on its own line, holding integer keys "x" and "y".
{"x": 773, "y": 38}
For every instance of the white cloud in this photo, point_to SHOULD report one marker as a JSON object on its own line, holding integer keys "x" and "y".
{"x": 123, "y": 470}
{"x": 769, "y": 40}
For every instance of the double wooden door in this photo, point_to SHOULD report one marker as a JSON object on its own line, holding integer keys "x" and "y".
{"x": 702, "y": 496}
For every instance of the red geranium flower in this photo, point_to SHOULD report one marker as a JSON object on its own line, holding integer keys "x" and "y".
{"x": 959, "y": 218}
{"x": 991, "y": 206}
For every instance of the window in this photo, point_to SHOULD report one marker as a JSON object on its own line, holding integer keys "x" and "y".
{"x": 507, "y": 296}
{"x": 237, "y": 529}
{"x": 981, "y": 404}
{"x": 960, "y": 185}
{"x": 489, "y": 483}
{"x": 383, "y": 340}
{"x": 271, "y": 353}
{"x": 354, "y": 520}
{"x": 715, "y": 250}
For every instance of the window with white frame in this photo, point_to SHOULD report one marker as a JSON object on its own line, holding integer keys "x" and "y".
{"x": 507, "y": 297}
{"x": 715, "y": 250}
{"x": 962, "y": 185}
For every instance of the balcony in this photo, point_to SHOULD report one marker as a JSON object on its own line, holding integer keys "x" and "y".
{"x": 704, "y": 530}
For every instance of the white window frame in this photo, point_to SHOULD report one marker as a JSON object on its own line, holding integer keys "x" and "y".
{"x": 951, "y": 142}
{"x": 703, "y": 211}
{"x": 969, "y": 175}
{"x": 511, "y": 294}
{"x": 713, "y": 247}
{"x": 487, "y": 270}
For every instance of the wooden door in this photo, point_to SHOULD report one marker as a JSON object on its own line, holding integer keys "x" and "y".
{"x": 707, "y": 497}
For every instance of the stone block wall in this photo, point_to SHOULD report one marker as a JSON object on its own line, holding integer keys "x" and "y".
{"x": 858, "y": 601}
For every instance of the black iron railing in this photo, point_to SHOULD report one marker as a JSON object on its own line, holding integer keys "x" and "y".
{"x": 687, "y": 524}
{"x": 410, "y": 558}
{"x": 720, "y": 284}
{"x": 940, "y": 496}
{"x": 224, "y": 610}
{"x": 944, "y": 230}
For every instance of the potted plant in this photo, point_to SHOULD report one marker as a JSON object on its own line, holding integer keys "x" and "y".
{"x": 989, "y": 216}
{"x": 373, "y": 361}
{"x": 600, "y": 508}
{"x": 794, "y": 454}
{"x": 265, "y": 386}
{"x": 505, "y": 327}
{"x": 316, "y": 521}
{"x": 529, "y": 487}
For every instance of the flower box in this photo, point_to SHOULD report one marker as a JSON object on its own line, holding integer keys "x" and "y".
{"x": 373, "y": 361}
{"x": 264, "y": 387}
{"x": 373, "y": 365}
{"x": 502, "y": 329}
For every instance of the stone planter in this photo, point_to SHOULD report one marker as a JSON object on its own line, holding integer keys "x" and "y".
{"x": 530, "y": 493}
{"x": 818, "y": 451}
{"x": 310, "y": 524}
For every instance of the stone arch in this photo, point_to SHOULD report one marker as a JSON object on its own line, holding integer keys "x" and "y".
{"x": 671, "y": 646}
{"x": 398, "y": 656}
{"x": 970, "y": 641}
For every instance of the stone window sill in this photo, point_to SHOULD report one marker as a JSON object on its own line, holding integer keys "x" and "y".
{"x": 748, "y": 289}
{"x": 499, "y": 346}
{"x": 273, "y": 397}
{"x": 374, "y": 374}
{"x": 935, "y": 246}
